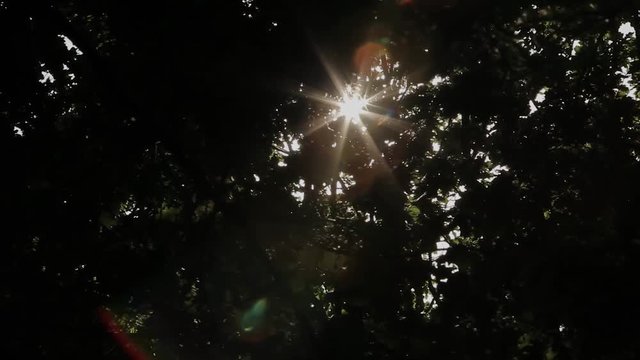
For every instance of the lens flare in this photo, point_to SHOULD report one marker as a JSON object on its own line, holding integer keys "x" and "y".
{"x": 254, "y": 324}
{"x": 108, "y": 320}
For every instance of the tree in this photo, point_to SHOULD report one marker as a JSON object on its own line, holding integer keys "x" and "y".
{"x": 378, "y": 179}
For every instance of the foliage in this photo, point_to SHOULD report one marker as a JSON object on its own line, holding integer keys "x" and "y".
{"x": 191, "y": 169}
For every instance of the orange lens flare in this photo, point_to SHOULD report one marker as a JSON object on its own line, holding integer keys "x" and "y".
{"x": 367, "y": 55}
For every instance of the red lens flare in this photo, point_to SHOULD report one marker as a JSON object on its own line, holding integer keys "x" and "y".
{"x": 107, "y": 319}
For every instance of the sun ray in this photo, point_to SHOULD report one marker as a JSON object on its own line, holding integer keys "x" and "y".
{"x": 358, "y": 109}
{"x": 375, "y": 153}
{"x": 336, "y": 80}
{"x": 315, "y": 126}
{"x": 340, "y": 146}
{"x": 391, "y": 122}
{"x": 321, "y": 97}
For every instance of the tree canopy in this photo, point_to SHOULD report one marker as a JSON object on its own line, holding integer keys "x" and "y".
{"x": 375, "y": 179}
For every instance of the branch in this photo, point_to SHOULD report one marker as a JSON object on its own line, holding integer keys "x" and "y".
{"x": 280, "y": 149}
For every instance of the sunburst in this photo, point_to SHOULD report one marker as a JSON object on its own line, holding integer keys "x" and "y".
{"x": 353, "y": 105}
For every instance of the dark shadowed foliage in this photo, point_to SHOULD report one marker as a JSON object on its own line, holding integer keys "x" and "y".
{"x": 271, "y": 179}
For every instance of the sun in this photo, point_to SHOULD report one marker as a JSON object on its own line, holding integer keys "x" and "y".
{"x": 352, "y": 106}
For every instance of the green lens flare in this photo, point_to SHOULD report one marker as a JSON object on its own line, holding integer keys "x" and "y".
{"x": 254, "y": 317}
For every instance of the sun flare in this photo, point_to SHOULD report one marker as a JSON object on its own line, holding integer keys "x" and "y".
{"x": 352, "y": 107}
